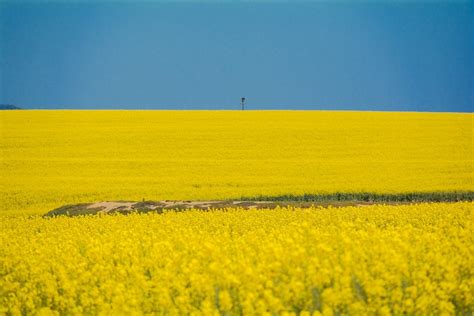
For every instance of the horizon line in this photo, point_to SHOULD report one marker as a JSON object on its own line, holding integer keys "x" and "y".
{"x": 237, "y": 110}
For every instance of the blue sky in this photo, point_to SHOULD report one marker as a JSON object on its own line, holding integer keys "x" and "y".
{"x": 374, "y": 55}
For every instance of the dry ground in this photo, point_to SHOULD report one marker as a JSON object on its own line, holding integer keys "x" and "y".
{"x": 126, "y": 207}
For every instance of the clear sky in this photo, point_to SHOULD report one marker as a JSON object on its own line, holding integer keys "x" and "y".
{"x": 378, "y": 55}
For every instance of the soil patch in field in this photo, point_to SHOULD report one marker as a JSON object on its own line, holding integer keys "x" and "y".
{"x": 126, "y": 207}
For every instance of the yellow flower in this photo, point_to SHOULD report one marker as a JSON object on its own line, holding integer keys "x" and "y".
{"x": 225, "y": 300}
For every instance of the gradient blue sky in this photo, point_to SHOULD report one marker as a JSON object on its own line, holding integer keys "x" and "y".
{"x": 379, "y": 55}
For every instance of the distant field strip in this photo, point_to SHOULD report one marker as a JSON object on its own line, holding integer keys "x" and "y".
{"x": 411, "y": 197}
{"x": 52, "y": 158}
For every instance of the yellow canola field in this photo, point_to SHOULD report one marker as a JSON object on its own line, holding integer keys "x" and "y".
{"x": 414, "y": 259}
{"x": 52, "y": 158}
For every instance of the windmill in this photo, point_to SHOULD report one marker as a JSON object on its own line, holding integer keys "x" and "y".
{"x": 242, "y": 102}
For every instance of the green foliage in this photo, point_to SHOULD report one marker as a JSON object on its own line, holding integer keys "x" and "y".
{"x": 455, "y": 196}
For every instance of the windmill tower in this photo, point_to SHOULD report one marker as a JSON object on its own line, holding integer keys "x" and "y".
{"x": 242, "y": 102}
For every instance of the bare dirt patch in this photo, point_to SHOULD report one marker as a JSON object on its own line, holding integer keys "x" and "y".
{"x": 126, "y": 207}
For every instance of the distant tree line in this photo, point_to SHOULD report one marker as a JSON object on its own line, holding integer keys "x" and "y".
{"x": 9, "y": 107}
